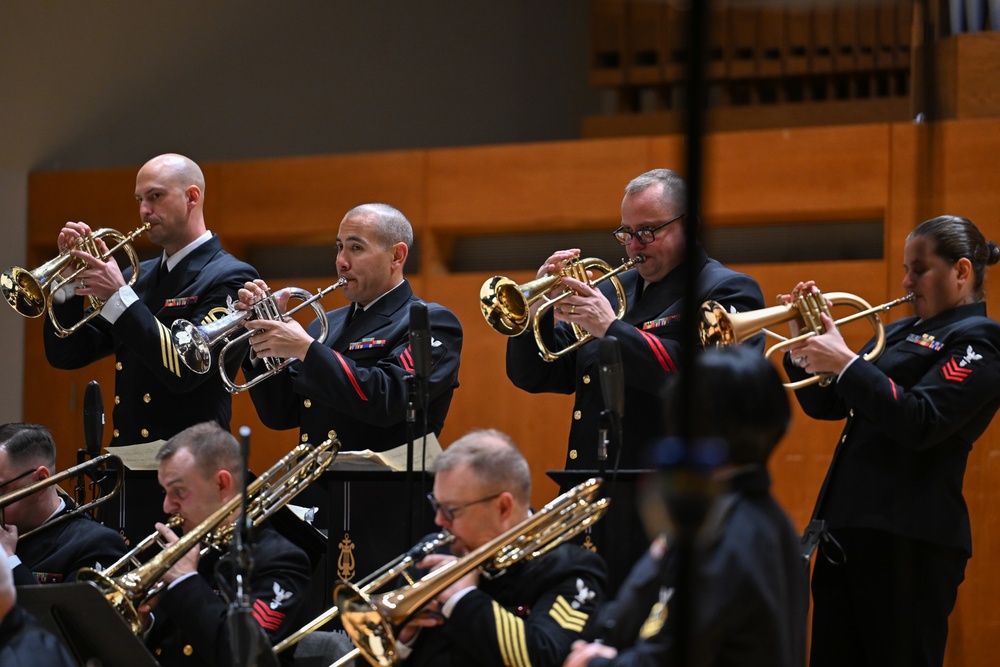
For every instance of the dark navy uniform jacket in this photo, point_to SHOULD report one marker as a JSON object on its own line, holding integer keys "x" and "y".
{"x": 912, "y": 418}
{"x": 650, "y": 338}
{"x": 353, "y": 385}
{"x": 156, "y": 396}
{"x": 57, "y": 551}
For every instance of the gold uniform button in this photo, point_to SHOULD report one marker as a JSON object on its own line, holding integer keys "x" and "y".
{"x": 843, "y": 439}
{"x": 331, "y": 435}
{"x": 115, "y": 433}
{"x": 118, "y": 399}
{"x": 158, "y": 650}
{"x": 146, "y": 398}
{"x": 850, "y": 412}
{"x": 118, "y": 366}
{"x": 188, "y": 649}
{"x": 577, "y": 415}
{"x": 307, "y": 403}
{"x": 145, "y": 433}
{"x": 572, "y": 454}
{"x": 305, "y": 437}
{"x": 586, "y": 379}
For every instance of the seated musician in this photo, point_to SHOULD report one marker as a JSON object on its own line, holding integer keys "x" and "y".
{"x": 529, "y": 614}
{"x": 749, "y": 597}
{"x": 200, "y": 469}
{"x": 60, "y": 542}
{"x": 22, "y": 640}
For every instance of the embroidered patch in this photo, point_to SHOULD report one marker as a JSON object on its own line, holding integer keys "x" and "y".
{"x": 366, "y": 343}
{"x": 657, "y": 615}
{"x": 268, "y": 618}
{"x": 659, "y": 322}
{"x": 925, "y": 340}
{"x": 583, "y": 594}
{"x": 970, "y": 356}
{"x": 954, "y": 372}
{"x": 566, "y": 616}
{"x": 280, "y": 595}
{"x": 180, "y": 301}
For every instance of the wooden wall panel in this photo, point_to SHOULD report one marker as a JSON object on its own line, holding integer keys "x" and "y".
{"x": 531, "y": 187}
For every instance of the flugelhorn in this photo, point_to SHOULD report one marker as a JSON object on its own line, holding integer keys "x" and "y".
{"x": 267, "y": 494}
{"x": 376, "y": 580}
{"x": 195, "y": 343}
{"x": 717, "y": 327}
{"x": 371, "y": 622}
{"x": 96, "y": 463}
{"x": 30, "y": 292}
{"x": 506, "y": 305}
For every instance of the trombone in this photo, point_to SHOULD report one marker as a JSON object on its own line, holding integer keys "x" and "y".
{"x": 374, "y": 581}
{"x": 96, "y": 463}
{"x": 506, "y": 305}
{"x": 267, "y": 494}
{"x": 718, "y": 328}
{"x": 370, "y": 622}
{"x": 30, "y": 292}
{"x": 195, "y": 344}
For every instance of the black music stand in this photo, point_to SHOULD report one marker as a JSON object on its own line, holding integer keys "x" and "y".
{"x": 87, "y": 624}
{"x": 619, "y": 537}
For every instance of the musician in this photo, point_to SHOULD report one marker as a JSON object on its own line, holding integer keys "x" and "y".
{"x": 200, "y": 469}
{"x": 532, "y": 612}
{"x": 354, "y": 383}
{"x": 748, "y": 591}
{"x": 22, "y": 640}
{"x": 650, "y": 332}
{"x": 64, "y": 541}
{"x": 156, "y": 396}
{"x": 886, "y": 579}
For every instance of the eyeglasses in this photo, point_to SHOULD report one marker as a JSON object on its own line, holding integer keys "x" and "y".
{"x": 21, "y": 476}
{"x": 645, "y": 236}
{"x": 449, "y": 512}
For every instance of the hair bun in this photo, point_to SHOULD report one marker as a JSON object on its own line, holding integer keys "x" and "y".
{"x": 992, "y": 253}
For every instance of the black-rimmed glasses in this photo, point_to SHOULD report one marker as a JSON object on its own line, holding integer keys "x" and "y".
{"x": 449, "y": 512}
{"x": 646, "y": 235}
{"x": 21, "y": 476}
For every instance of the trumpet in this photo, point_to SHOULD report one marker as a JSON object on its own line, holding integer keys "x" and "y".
{"x": 30, "y": 292}
{"x": 717, "y": 327}
{"x": 96, "y": 463}
{"x": 370, "y": 622}
{"x": 267, "y": 494}
{"x": 506, "y": 305}
{"x": 376, "y": 580}
{"x": 195, "y": 343}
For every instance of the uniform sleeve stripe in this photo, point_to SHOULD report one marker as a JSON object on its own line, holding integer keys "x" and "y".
{"x": 266, "y": 617}
{"x": 656, "y": 345}
{"x": 350, "y": 376}
{"x": 510, "y": 638}
{"x": 567, "y": 617}
{"x": 168, "y": 351}
{"x": 407, "y": 360}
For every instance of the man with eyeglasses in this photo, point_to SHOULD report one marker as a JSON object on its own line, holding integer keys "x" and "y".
{"x": 530, "y": 613}
{"x": 649, "y": 334}
{"x": 58, "y": 547}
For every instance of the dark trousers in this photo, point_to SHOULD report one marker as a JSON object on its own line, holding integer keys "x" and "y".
{"x": 887, "y": 604}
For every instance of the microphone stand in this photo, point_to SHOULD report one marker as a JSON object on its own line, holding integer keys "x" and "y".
{"x": 244, "y": 633}
{"x": 412, "y": 399}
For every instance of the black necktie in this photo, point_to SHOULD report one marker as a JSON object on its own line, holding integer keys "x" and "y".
{"x": 639, "y": 286}
{"x": 161, "y": 276}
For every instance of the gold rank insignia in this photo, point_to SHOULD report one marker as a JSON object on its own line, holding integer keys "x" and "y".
{"x": 657, "y": 615}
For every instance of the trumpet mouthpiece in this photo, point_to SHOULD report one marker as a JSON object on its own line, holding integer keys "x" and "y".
{"x": 639, "y": 258}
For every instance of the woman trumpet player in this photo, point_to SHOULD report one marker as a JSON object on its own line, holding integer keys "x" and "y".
{"x": 898, "y": 529}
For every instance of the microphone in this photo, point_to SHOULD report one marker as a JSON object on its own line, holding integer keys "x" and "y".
{"x": 612, "y": 375}
{"x": 420, "y": 339}
{"x": 93, "y": 418}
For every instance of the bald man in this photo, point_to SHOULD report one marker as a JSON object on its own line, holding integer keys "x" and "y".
{"x": 156, "y": 396}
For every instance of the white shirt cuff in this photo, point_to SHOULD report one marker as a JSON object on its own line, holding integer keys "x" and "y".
{"x": 13, "y": 561}
{"x": 844, "y": 370}
{"x": 118, "y": 303}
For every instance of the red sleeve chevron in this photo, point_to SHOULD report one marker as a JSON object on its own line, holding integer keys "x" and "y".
{"x": 269, "y": 619}
{"x": 656, "y": 345}
{"x": 406, "y": 358}
{"x": 953, "y": 372}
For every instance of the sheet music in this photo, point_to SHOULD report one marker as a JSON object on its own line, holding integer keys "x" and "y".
{"x": 392, "y": 459}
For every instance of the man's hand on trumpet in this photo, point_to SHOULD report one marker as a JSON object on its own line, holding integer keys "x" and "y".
{"x": 588, "y": 308}
{"x": 283, "y": 339}
{"x": 824, "y": 353}
{"x": 102, "y": 278}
